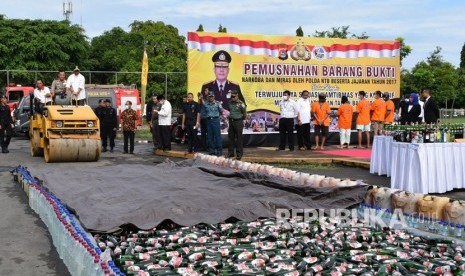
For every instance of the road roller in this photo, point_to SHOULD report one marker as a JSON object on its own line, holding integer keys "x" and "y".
{"x": 65, "y": 134}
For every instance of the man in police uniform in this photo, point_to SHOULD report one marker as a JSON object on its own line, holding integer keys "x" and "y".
{"x": 6, "y": 124}
{"x": 191, "y": 122}
{"x": 109, "y": 124}
{"x": 99, "y": 112}
{"x": 58, "y": 88}
{"x": 221, "y": 86}
{"x": 238, "y": 114}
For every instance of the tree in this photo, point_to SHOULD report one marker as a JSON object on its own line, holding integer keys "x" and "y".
{"x": 167, "y": 53}
{"x": 114, "y": 58}
{"x": 222, "y": 29}
{"x": 200, "y": 28}
{"x": 41, "y": 45}
{"x": 462, "y": 57}
{"x": 340, "y": 32}
{"x": 299, "y": 31}
{"x": 405, "y": 50}
{"x": 437, "y": 74}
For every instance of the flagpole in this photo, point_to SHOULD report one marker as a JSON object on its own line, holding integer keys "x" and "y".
{"x": 145, "y": 71}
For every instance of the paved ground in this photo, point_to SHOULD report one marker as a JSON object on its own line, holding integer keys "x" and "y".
{"x": 26, "y": 245}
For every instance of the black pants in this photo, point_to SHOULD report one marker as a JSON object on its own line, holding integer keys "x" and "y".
{"x": 286, "y": 130}
{"x": 203, "y": 134}
{"x": 165, "y": 137}
{"x": 303, "y": 135}
{"x": 192, "y": 139}
{"x": 128, "y": 135}
{"x": 107, "y": 133}
{"x": 235, "y": 138}
{"x": 5, "y": 135}
{"x": 156, "y": 135}
{"x": 78, "y": 102}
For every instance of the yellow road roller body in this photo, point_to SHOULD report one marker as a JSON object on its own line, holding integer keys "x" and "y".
{"x": 65, "y": 134}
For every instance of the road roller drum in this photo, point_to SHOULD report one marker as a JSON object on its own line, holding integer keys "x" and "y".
{"x": 65, "y": 134}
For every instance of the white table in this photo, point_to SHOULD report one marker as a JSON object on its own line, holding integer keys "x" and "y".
{"x": 428, "y": 168}
{"x": 380, "y": 162}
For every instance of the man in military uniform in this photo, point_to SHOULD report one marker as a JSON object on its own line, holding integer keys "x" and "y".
{"x": 212, "y": 111}
{"x": 109, "y": 124}
{"x": 6, "y": 124}
{"x": 238, "y": 114}
{"x": 221, "y": 86}
{"x": 58, "y": 89}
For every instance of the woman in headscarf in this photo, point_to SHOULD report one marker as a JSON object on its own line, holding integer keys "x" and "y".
{"x": 414, "y": 110}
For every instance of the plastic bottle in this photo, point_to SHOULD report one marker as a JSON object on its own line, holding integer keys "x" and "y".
{"x": 458, "y": 231}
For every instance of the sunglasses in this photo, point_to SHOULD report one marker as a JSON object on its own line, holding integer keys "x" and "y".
{"x": 233, "y": 96}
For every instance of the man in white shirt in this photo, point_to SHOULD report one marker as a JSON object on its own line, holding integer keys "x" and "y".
{"x": 164, "y": 122}
{"x": 75, "y": 85}
{"x": 303, "y": 121}
{"x": 42, "y": 96}
{"x": 421, "y": 118}
{"x": 286, "y": 122}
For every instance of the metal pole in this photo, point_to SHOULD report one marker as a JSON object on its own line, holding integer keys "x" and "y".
{"x": 116, "y": 78}
{"x": 90, "y": 77}
{"x": 35, "y": 76}
{"x": 166, "y": 85}
{"x": 8, "y": 78}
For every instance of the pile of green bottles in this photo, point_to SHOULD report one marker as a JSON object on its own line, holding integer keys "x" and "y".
{"x": 266, "y": 247}
{"x": 426, "y": 133}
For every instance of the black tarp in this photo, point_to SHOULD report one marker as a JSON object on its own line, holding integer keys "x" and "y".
{"x": 187, "y": 193}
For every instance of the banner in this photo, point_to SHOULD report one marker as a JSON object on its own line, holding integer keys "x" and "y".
{"x": 261, "y": 67}
{"x": 145, "y": 71}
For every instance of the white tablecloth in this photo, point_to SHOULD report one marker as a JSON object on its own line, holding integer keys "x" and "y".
{"x": 428, "y": 168}
{"x": 380, "y": 162}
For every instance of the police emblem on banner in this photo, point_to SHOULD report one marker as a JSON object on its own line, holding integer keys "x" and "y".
{"x": 319, "y": 52}
{"x": 301, "y": 52}
{"x": 282, "y": 54}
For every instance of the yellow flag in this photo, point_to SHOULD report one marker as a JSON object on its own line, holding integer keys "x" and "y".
{"x": 145, "y": 72}
{"x": 145, "y": 68}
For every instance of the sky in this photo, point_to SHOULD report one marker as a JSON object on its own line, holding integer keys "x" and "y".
{"x": 424, "y": 24}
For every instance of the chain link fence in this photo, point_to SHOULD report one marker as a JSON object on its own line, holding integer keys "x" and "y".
{"x": 172, "y": 84}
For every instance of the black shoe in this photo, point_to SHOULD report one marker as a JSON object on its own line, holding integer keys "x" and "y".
{"x": 111, "y": 150}
{"x": 291, "y": 149}
{"x": 104, "y": 150}
{"x": 125, "y": 152}
{"x": 278, "y": 149}
{"x": 189, "y": 151}
{"x": 5, "y": 151}
{"x": 239, "y": 158}
{"x": 131, "y": 152}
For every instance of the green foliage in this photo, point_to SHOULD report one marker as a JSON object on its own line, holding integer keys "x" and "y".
{"x": 462, "y": 57}
{"x": 405, "y": 50}
{"x": 222, "y": 29}
{"x": 200, "y": 28}
{"x": 436, "y": 74}
{"x": 41, "y": 45}
{"x": 118, "y": 50}
{"x": 299, "y": 31}
{"x": 340, "y": 32}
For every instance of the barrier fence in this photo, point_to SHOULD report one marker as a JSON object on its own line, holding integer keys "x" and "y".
{"x": 452, "y": 114}
{"x": 172, "y": 84}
